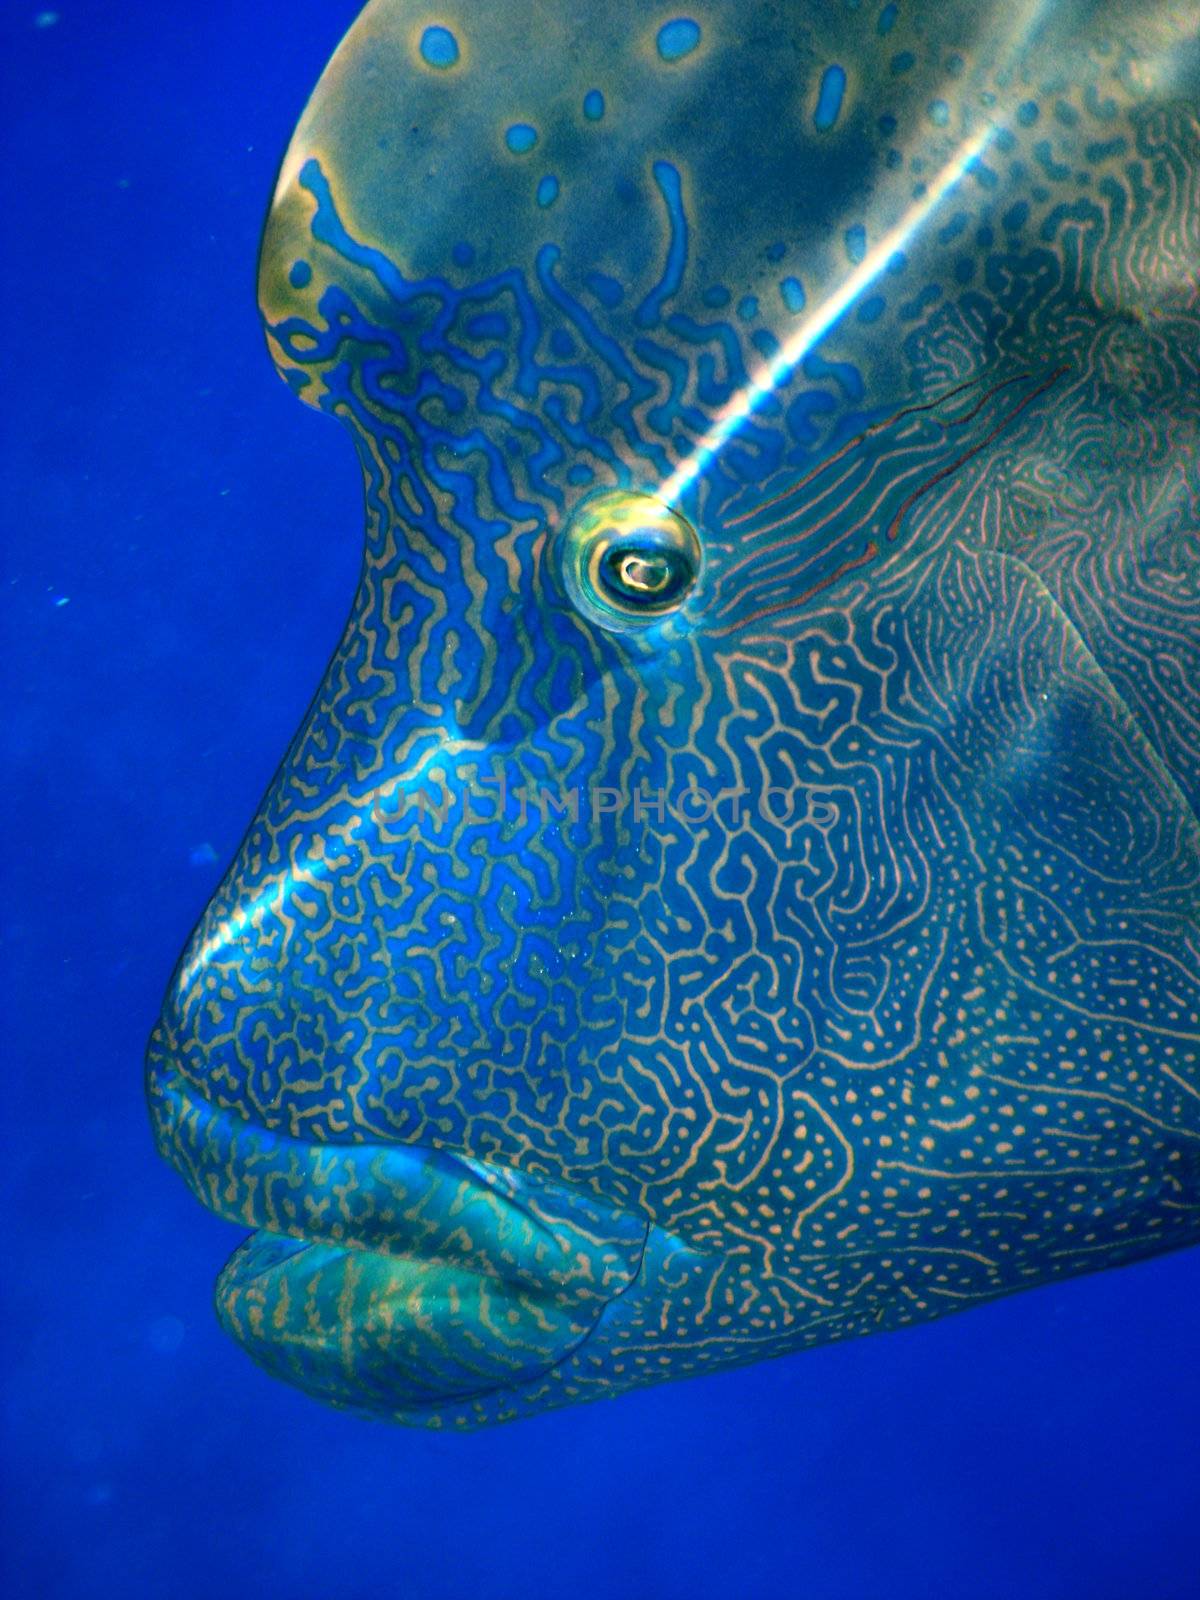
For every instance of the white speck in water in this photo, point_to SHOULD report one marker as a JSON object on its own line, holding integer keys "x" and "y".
{"x": 45, "y": 19}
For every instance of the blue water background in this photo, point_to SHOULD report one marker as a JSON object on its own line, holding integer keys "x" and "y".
{"x": 181, "y": 544}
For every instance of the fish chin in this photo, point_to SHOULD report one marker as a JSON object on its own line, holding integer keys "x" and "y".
{"x": 395, "y": 1280}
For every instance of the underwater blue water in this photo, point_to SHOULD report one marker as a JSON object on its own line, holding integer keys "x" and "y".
{"x": 181, "y": 544}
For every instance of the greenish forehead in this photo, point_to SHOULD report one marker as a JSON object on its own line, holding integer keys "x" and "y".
{"x": 739, "y": 154}
{"x": 638, "y": 233}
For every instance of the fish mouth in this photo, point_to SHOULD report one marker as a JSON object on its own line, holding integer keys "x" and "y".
{"x": 395, "y": 1280}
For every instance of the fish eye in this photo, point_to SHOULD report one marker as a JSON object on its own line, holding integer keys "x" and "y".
{"x": 627, "y": 560}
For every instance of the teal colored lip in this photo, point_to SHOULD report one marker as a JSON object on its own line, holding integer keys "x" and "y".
{"x": 390, "y": 1276}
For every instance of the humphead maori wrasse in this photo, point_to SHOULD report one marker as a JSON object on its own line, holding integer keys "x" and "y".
{"x": 738, "y": 883}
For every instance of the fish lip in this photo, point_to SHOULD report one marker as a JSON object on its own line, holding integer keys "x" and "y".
{"x": 381, "y": 1355}
{"x": 411, "y": 1201}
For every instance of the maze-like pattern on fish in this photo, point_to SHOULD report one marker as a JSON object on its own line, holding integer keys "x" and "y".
{"x": 842, "y": 942}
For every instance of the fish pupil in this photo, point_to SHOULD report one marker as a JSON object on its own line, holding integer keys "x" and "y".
{"x": 643, "y": 574}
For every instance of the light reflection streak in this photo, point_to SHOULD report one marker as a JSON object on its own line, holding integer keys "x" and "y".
{"x": 818, "y": 322}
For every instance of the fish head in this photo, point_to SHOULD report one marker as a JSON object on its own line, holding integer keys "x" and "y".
{"x": 501, "y": 1029}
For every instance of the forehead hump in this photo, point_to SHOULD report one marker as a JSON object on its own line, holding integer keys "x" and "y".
{"x": 743, "y": 149}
